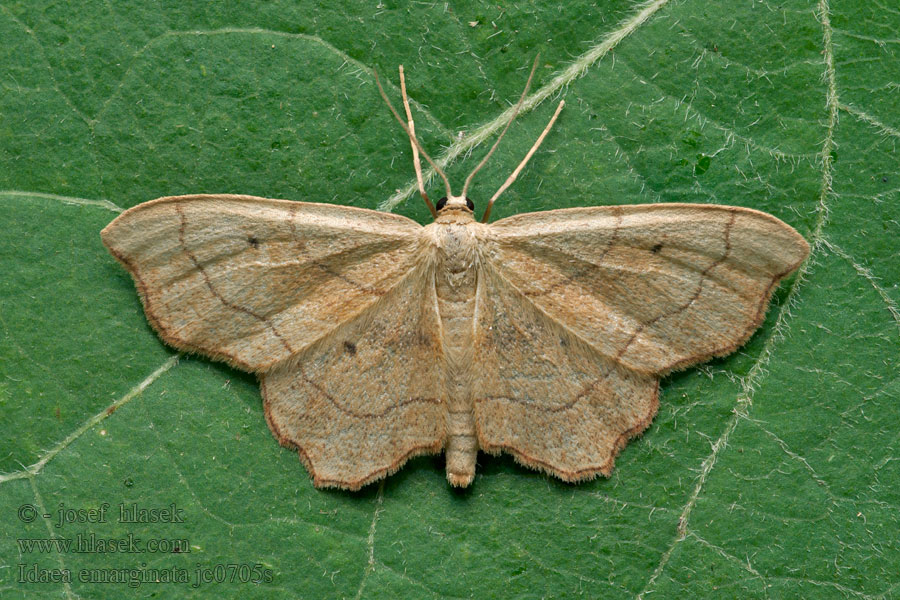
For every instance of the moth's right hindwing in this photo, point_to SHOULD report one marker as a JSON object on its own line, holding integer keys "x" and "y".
{"x": 581, "y": 310}
{"x": 546, "y": 397}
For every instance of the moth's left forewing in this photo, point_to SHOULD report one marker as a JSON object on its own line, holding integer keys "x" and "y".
{"x": 653, "y": 287}
{"x": 254, "y": 281}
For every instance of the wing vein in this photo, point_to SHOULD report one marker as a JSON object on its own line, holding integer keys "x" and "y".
{"x": 585, "y": 391}
{"x": 683, "y": 307}
{"x": 360, "y": 414}
{"x": 215, "y": 292}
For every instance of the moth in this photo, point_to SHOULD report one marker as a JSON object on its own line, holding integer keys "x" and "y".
{"x": 376, "y": 339}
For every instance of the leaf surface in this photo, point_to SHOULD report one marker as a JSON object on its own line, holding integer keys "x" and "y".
{"x": 770, "y": 473}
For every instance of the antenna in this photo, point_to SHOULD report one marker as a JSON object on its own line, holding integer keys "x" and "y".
{"x": 416, "y": 162}
{"x": 512, "y": 178}
{"x": 502, "y": 133}
{"x": 411, "y": 135}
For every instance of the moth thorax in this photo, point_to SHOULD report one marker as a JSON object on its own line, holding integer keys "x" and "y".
{"x": 457, "y": 246}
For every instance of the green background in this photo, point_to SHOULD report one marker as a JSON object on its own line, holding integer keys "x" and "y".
{"x": 772, "y": 473}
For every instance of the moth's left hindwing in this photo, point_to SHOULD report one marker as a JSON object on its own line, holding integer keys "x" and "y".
{"x": 361, "y": 402}
{"x": 253, "y": 281}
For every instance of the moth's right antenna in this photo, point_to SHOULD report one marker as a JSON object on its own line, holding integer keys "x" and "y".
{"x": 412, "y": 136}
{"x": 512, "y": 178}
{"x": 502, "y": 133}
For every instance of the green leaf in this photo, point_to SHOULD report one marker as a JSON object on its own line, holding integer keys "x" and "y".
{"x": 770, "y": 473}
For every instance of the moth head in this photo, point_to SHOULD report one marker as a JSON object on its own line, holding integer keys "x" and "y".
{"x": 455, "y": 203}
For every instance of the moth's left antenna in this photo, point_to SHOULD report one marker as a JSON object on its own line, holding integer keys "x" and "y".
{"x": 412, "y": 128}
{"x": 412, "y": 138}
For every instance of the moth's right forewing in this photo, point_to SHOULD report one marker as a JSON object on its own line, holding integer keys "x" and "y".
{"x": 652, "y": 287}
{"x": 254, "y": 281}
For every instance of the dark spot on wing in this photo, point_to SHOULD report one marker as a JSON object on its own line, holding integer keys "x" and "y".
{"x": 350, "y": 348}
{"x": 655, "y": 249}
{"x": 253, "y": 241}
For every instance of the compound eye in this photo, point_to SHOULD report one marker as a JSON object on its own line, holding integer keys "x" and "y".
{"x": 470, "y": 204}
{"x": 441, "y": 203}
